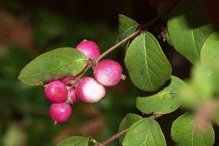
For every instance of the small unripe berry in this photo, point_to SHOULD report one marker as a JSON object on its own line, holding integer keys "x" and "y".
{"x": 108, "y": 72}
{"x": 56, "y": 91}
{"x": 60, "y": 112}
{"x": 72, "y": 97}
{"x": 89, "y": 48}
{"x": 89, "y": 91}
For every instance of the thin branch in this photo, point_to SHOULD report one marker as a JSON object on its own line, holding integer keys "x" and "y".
{"x": 155, "y": 116}
{"x": 137, "y": 32}
{"x": 117, "y": 135}
{"x": 113, "y": 137}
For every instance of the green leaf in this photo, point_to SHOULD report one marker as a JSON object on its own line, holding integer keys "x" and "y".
{"x": 127, "y": 122}
{"x": 185, "y": 133}
{"x": 210, "y": 51}
{"x": 189, "y": 97}
{"x": 146, "y": 132}
{"x": 75, "y": 141}
{"x": 189, "y": 28}
{"x": 203, "y": 80}
{"x": 126, "y": 26}
{"x": 53, "y": 65}
{"x": 203, "y": 86}
{"x": 146, "y": 63}
{"x": 163, "y": 102}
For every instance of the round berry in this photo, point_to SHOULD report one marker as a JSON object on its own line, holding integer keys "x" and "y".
{"x": 72, "y": 97}
{"x": 56, "y": 91}
{"x": 89, "y": 91}
{"x": 108, "y": 72}
{"x": 89, "y": 48}
{"x": 60, "y": 112}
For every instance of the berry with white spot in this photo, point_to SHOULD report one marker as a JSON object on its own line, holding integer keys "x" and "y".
{"x": 89, "y": 90}
{"x": 89, "y": 48}
{"x": 108, "y": 72}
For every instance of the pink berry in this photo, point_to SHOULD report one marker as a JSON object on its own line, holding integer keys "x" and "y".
{"x": 56, "y": 91}
{"x": 72, "y": 97}
{"x": 89, "y": 91}
{"x": 89, "y": 48}
{"x": 60, "y": 112}
{"x": 108, "y": 72}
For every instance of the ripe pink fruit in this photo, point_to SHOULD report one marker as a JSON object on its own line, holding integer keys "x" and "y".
{"x": 56, "y": 91}
{"x": 89, "y": 91}
{"x": 72, "y": 97}
{"x": 108, "y": 72}
{"x": 60, "y": 112}
{"x": 89, "y": 48}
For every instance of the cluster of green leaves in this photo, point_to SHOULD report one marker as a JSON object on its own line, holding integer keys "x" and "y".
{"x": 194, "y": 37}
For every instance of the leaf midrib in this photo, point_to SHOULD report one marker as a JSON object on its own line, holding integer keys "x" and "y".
{"x": 146, "y": 62}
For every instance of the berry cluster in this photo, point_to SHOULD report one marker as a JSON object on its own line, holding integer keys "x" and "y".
{"x": 87, "y": 90}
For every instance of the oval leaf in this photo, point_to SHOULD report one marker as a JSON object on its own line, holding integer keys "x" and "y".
{"x": 185, "y": 133}
{"x": 53, "y": 65}
{"x": 146, "y": 132}
{"x": 126, "y": 26}
{"x": 127, "y": 122}
{"x": 163, "y": 102}
{"x": 188, "y": 30}
{"x": 146, "y": 63}
{"x": 75, "y": 141}
{"x": 210, "y": 51}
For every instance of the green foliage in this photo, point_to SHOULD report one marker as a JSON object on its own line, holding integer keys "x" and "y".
{"x": 203, "y": 85}
{"x": 189, "y": 97}
{"x": 126, "y": 26}
{"x": 15, "y": 135}
{"x": 210, "y": 50}
{"x": 163, "y": 102}
{"x": 49, "y": 28}
{"x": 10, "y": 55}
{"x": 144, "y": 132}
{"x": 185, "y": 133}
{"x": 127, "y": 122}
{"x": 53, "y": 65}
{"x": 203, "y": 80}
{"x": 146, "y": 63}
{"x": 187, "y": 31}
{"x": 75, "y": 141}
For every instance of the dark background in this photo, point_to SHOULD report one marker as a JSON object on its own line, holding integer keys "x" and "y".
{"x": 31, "y": 27}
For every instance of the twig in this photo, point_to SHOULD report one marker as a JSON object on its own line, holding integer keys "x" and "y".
{"x": 115, "y": 136}
{"x": 137, "y": 32}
